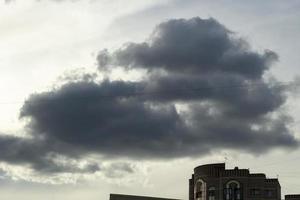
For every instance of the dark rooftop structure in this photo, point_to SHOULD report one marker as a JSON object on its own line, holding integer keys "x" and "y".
{"x": 132, "y": 197}
{"x": 292, "y": 197}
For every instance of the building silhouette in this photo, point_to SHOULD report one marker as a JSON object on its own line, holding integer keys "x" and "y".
{"x": 215, "y": 182}
{"x": 292, "y": 197}
{"x": 133, "y": 197}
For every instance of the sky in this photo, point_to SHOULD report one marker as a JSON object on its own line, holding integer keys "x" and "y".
{"x": 101, "y": 97}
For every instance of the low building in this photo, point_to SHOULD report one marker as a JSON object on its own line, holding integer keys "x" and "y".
{"x": 292, "y": 197}
{"x": 214, "y": 182}
{"x": 132, "y": 197}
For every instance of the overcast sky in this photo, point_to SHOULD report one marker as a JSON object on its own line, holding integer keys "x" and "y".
{"x": 102, "y": 96}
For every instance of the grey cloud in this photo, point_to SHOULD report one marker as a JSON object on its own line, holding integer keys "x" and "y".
{"x": 254, "y": 135}
{"x": 50, "y": 165}
{"x": 18, "y": 150}
{"x": 205, "y": 66}
{"x": 119, "y": 169}
{"x": 191, "y": 46}
{"x": 136, "y": 126}
{"x": 103, "y": 118}
{"x": 197, "y": 63}
{"x": 239, "y": 96}
{"x": 39, "y": 154}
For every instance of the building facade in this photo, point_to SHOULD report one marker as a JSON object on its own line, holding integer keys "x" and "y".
{"x": 214, "y": 182}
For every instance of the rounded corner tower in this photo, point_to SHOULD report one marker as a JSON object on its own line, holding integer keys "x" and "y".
{"x": 214, "y": 182}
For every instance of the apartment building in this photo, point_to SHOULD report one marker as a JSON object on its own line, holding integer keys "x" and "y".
{"x": 214, "y": 182}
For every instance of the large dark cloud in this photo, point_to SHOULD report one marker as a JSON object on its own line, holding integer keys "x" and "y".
{"x": 116, "y": 119}
{"x": 204, "y": 90}
{"x": 104, "y": 118}
{"x": 192, "y": 46}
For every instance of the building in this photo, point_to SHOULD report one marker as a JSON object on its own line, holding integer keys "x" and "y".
{"x": 292, "y": 197}
{"x": 131, "y": 197}
{"x": 214, "y": 182}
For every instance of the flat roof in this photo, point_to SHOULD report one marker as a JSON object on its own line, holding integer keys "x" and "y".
{"x": 293, "y": 195}
{"x": 134, "y": 197}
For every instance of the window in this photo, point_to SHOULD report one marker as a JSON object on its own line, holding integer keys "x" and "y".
{"x": 200, "y": 190}
{"x": 233, "y": 191}
{"x": 211, "y": 193}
